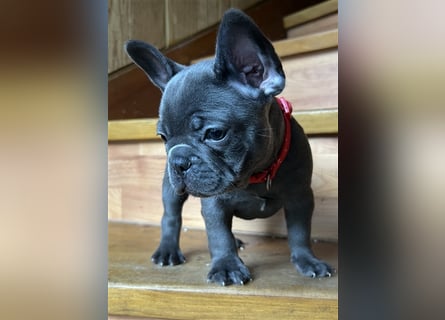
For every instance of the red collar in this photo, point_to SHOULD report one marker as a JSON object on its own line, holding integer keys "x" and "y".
{"x": 268, "y": 175}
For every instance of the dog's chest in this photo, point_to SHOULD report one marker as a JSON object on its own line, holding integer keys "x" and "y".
{"x": 249, "y": 205}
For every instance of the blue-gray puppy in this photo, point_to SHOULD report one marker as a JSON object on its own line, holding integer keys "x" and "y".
{"x": 230, "y": 142}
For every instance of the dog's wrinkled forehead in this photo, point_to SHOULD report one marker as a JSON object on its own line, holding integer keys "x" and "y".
{"x": 196, "y": 90}
{"x": 187, "y": 90}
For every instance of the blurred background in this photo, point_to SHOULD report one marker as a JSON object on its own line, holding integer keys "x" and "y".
{"x": 53, "y": 159}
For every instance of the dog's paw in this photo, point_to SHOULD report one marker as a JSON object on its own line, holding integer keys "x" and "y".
{"x": 229, "y": 270}
{"x": 310, "y": 266}
{"x": 167, "y": 256}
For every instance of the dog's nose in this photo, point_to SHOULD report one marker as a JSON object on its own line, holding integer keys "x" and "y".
{"x": 180, "y": 158}
{"x": 181, "y": 164}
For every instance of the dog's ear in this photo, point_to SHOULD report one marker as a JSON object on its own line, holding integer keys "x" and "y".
{"x": 246, "y": 58}
{"x": 156, "y": 66}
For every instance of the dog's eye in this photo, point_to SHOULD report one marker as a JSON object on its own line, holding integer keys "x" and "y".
{"x": 215, "y": 134}
{"x": 162, "y": 137}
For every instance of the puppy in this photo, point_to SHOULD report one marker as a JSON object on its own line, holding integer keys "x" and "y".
{"x": 230, "y": 142}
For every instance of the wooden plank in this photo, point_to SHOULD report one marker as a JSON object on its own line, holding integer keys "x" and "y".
{"x": 312, "y": 80}
{"x": 135, "y": 19}
{"x": 132, "y": 95}
{"x": 313, "y": 122}
{"x": 216, "y": 306}
{"x": 243, "y": 4}
{"x": 136, "y": 170}
{"x": 136, "y": 287}
{"x": 322, "y": 24}
{"x": 184, "y": 18}
{"x": 310, "y": 13}
{"x": 111, "y": 317}
{"x": 318, "y": 121}
{"x": 135, "y": 129}
{"x": 309, "y": 43}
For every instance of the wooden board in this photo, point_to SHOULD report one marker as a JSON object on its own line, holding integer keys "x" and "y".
{"x": 135, "y": 19}
{"x": 312, "y": 80}
{"x": 322, "y": 24}
{"x": 309, "y": 43}
{"x": 135, "y": 172}
{"x": 134, "y": 129}
{"x": 185, "y": 18}
{"x": 310, "y": 13}
{"x": 111, "y": 317}
{"x": 313, "y": 122}
{"x": 136, "y": 287}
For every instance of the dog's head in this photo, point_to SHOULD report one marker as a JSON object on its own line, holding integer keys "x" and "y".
{"x": 214, "y": 115}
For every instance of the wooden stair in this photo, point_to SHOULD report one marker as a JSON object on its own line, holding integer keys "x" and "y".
{"x": 137, "y": 288}
{"x": 310, "y": 14}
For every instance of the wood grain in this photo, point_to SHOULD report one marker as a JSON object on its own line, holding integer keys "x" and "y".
{"x": 135, "y": 172}
{"x": 322, "y": 24}
{"x": 310, "y": 13}
{"x": 185, "y": 17}
{"x": 112, "y": 317}
{"x": 313, "y": 42}
{"x": 135, "y": 19}
{"x": 312, "y": 80}
{"x": 318, "y": 121}
{"x": 309, "y": 43}
{"x": 138, "y": 288}
{"x": 134, "y": 129}
{"x": 313, "y": 122}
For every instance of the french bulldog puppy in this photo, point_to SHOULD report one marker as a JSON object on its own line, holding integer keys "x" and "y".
{"x": 230, "y": 142}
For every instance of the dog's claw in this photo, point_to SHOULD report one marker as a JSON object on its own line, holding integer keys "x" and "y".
{"x": 168, "y": 256}
{"x": 229, "y": 271}
{"x": 312, "y": 267}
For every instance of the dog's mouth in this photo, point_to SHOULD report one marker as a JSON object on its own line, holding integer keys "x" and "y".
{"x": 182, "y": 189}
{"x": 205, "y": 189}
{"x": 199, "y": 176}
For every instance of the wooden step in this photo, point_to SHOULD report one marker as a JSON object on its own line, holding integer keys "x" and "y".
{"x": 135, "y": 172}
{"x": 312, "y": 80}
{"x": 323, "y": 121}
{"x": 136, "y": 287}
{"x": 309, "y": 43}
{"x": 322, "y": 24}
{"x": 310, "y": 13}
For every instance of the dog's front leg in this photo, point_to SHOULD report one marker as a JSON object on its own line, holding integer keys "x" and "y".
{"x": 226, "y": 267}
{"x": 168, "y": 252}
{"x": 298, "y": 212}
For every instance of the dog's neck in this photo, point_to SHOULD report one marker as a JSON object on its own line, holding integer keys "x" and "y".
{"x": 281, "y": 146}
